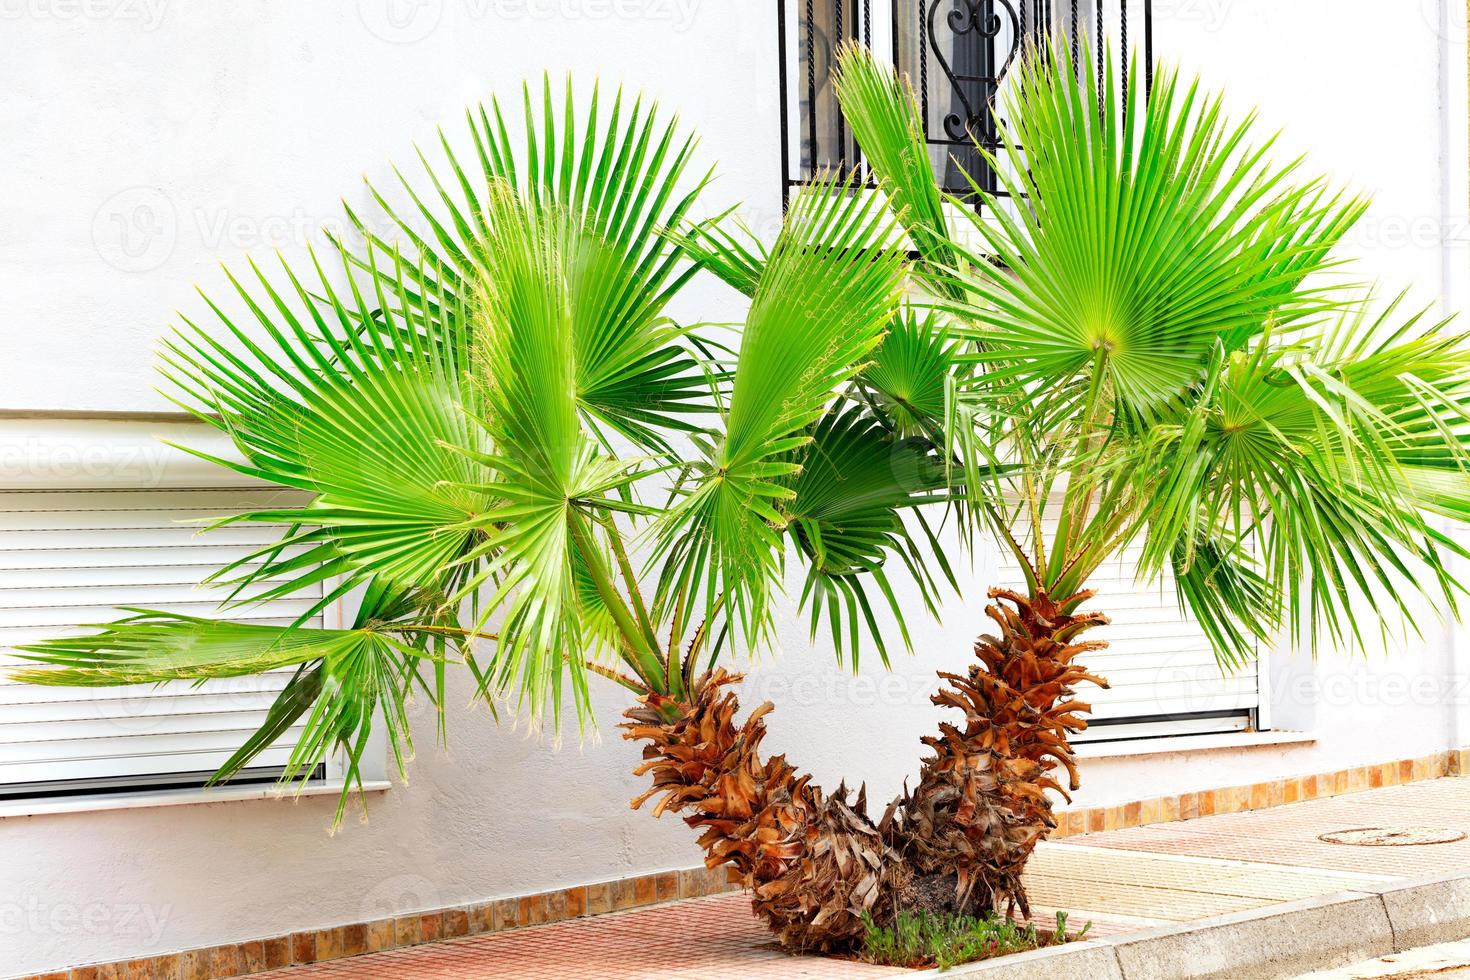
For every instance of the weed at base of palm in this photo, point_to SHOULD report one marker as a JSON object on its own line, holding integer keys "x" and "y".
{"x": 923, "y": 939}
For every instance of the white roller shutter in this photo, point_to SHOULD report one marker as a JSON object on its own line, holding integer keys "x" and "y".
{"x": 70, "y": 557}
{"x": 1163, "y": 677}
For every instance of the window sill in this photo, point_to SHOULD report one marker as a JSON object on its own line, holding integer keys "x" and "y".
{"x": 1190, "y": 743}
{"x": 172, "y": 797}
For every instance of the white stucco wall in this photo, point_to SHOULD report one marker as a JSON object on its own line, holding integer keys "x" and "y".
{"x": 147, "y": 140}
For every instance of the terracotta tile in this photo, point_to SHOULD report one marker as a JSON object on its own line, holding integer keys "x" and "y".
{"x": 1406, "y": 770}
{"x": 1132, "y": 814}
{"x": 1339, "y": 782}
{"x": 194, "y": 964}
{"x": 1206, "y": 802}
{"x": 456, "y": 923}
{"x": 643, "y": 890}
{"x": 277, "y": 951}
{"x": 1375, "y": 777}
{"x": 1094, "y": 820}
{"x": 354, "y": 939}
{"x": 85, "y": 973}
{"x": 63, "y": 975}
{"x": 329, "y": 943}
{"x": 1260, "y": 797}
{"x": 666, "y": 886}
{"x": 378, "y": 935}
{"x": 1357, "y": 779}
{"x": 1169, "y": 809}
{"x": 600, "y": 894}
{"x": 1276, "y": 792}
{"x": 624, "y": 896}
{"x": 533, "y": 910}
{"x": 1421, "y": 769}
{"x": 252, "y": 957}
{"x": 224, "y": 961}
{"x": 507, "y": 914}
{"x": 1188, "y": 806}
{"x": 482, "y": 919}
{"x": 576, "y": 900}
{"x": 431, "y": 926}
{"x": 303, "y": 947}
{"x": 690, "y": 882}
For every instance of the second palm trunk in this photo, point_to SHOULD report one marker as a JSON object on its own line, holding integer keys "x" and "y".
{"x": 818, "y": 865}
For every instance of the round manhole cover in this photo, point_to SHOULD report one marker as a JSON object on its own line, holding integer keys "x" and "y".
{"x": 1393, "y": 836}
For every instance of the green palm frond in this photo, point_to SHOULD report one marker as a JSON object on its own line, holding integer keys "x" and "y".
{"x": 1328, "y": 452}
{"x": 357, "y": 401}
{"x": 1152, "y": 232}
{"x": 911, "y": 373}
{"x": 888, "y": 127}
{"x": 345, "y": 679}
{"x": 621, "y": 182}
{"x": 845, "y": 518}
{"x": 828, "y": 290}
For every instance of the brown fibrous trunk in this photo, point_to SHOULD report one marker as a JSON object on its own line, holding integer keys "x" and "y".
{"x": 815, "y": 864}
{"x": 981, "y": 804}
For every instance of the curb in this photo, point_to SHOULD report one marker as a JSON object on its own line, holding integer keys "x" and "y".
{"x": 1281, "y": 940}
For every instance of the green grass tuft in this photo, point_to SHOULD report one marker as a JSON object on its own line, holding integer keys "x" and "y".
{"x": 918, "y": 940}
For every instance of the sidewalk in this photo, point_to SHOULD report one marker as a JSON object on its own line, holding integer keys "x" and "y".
{"x": 1127, "y": 882}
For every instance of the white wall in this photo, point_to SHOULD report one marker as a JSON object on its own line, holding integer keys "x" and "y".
{"x": 144, "y": 144}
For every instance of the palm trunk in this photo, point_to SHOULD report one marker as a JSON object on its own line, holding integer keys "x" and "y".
{"x": 981, "y": 803}
{"x": 813, "y": 863}
{"x": 816, "y": 864}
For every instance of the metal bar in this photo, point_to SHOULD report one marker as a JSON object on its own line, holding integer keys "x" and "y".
{"x": 1102, "y": 56}
{"x": 785, "y": 121}
{"x": 1123, "y": 45}
{"x": 1148, "y": 46}
{"x": 897, "y": 66}
{"x": 811, "y": 87}
{"x": 924, "y": 66}
{"x": 1076, "y": 51}
{"x": 839, "y": 32}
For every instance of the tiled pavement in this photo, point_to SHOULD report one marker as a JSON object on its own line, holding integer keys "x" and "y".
{"x": 1121, "y": 881}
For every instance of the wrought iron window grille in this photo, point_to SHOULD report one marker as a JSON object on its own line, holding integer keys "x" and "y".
{"x": 955, "y": 53}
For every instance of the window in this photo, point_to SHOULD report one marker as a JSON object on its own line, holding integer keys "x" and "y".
{"x": 955, "y": 53}
{"x": 1162, "y": 674}
{"x": 71, "y": 555}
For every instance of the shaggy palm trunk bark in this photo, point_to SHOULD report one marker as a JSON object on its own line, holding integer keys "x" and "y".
{"x": 813, "y": 863}
{"x": 816, "y": 864}
{"x": 981, "y": 803}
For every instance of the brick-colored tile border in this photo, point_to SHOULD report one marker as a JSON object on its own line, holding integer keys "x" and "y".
{"x": 259, "y": 955}
{"x": 1258, "y": 796}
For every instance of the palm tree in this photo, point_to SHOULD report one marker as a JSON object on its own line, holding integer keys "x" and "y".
{"x": 488, "y": 414}
{"x": 1157, "y": 345}
{"x": 518, "y": 462}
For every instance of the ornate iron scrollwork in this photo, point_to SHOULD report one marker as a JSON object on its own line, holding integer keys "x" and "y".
{"x": 981, "y": 22}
